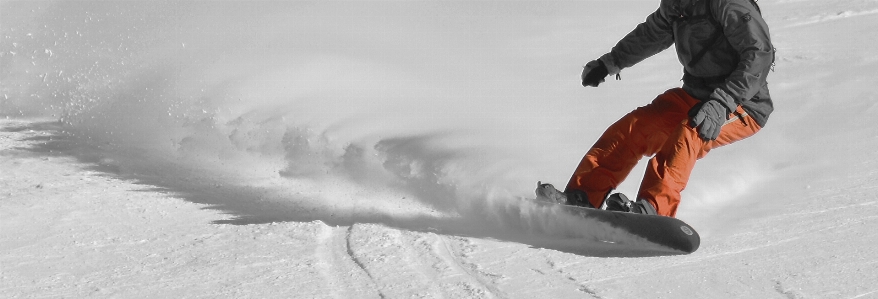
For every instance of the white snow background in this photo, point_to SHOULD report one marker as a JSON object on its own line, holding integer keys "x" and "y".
{"x": 362, "y": 149}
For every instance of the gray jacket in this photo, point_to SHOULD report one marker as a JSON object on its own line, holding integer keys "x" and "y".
{"x": 733, "y": 69}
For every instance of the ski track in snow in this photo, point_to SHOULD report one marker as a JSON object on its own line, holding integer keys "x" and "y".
{"x": 833, "y": 17}
{"x": 345, "y": 276}
{"x": 406, "y": 264}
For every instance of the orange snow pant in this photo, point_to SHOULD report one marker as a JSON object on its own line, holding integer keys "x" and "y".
{"x": 662, "y": 129}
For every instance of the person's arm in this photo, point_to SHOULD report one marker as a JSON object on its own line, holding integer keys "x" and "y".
{"x": 747, "y": 32}
{"x": 647, "y": 39}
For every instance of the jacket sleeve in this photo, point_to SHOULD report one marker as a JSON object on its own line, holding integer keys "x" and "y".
{"x": 648, "y": 38}
{"x": 748, "y": 35}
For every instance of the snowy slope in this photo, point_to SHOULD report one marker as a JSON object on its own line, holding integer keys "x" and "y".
{"x": 380, "y": 150}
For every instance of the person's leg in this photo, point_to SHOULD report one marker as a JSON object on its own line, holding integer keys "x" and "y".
{"x": 639, "y": 133}
{"x": 668, "y": 172}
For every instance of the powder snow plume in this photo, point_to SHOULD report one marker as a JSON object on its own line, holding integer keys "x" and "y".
{"x": 241, "y": 107}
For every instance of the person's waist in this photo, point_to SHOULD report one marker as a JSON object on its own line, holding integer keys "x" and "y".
{"x": 701, "y": 87}
{"x": 698, "y": 81}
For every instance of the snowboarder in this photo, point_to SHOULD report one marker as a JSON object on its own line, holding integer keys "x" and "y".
{"x": 726, "y": 53}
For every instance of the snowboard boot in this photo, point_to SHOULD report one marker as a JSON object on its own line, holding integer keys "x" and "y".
{"x": 547, "y": 192}
{"x": 617, "y": 202}
{"x": 577, "y": 198}
{"x": 642, "y": 206}
{"x": 620, "y": 202}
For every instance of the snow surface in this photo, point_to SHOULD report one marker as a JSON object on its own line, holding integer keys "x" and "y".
{"x": 382, "y": 150}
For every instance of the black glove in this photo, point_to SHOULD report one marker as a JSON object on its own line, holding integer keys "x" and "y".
{"x": 708, "y": 118}
{"x": 594, "y": 73}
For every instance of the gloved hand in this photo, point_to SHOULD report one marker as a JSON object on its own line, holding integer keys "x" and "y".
{"x": 708, "y": 118}
{"x": 594, "y": 73}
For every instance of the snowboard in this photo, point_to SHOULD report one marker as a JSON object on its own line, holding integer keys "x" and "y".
{"x": 672, "y": 234}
